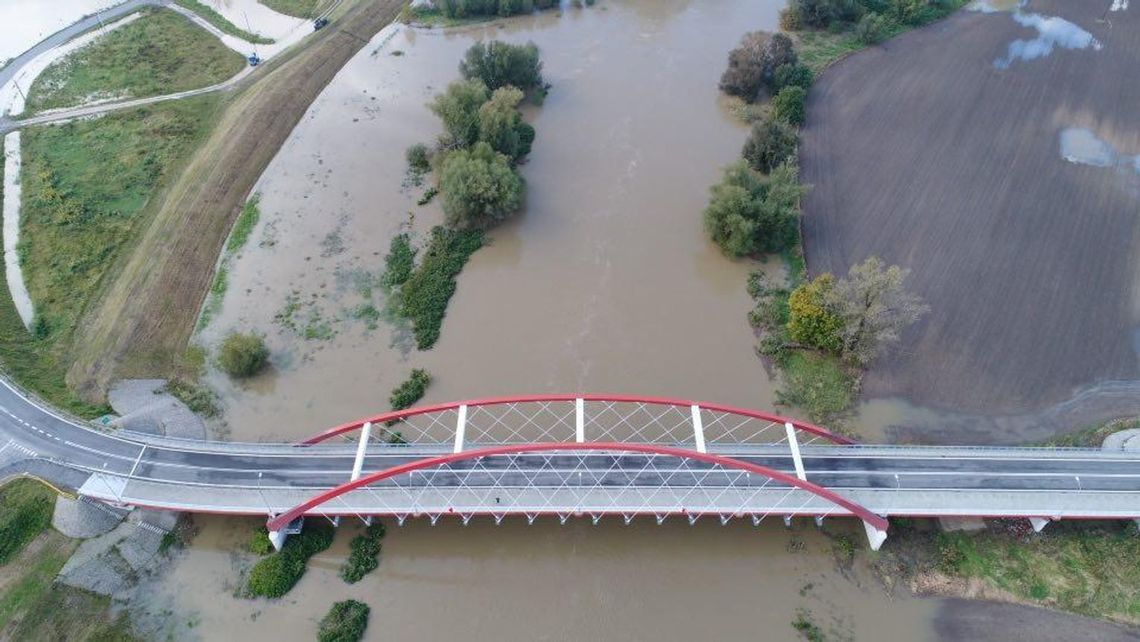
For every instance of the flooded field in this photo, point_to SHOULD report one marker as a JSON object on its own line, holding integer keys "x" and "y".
{"x": 549, "y": 582}
{"x": 30, "y": 21}
{"x": 1017, "y": 215}
{"x": 604, "y": 283}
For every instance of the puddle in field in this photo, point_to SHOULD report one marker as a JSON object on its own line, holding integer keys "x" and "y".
{"x": 548, "y": 582}
{"x": 605, "y": 282}
{"x": 1083, "y": 147}
{"x": 1052, "y": 32}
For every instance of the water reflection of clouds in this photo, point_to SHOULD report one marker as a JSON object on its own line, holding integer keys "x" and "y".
{"x": 1052, "y": 32}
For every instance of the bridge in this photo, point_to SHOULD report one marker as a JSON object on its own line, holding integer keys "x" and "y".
{"x": 568, "y": 456}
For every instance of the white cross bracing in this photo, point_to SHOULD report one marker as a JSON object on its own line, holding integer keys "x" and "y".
{"x": 586, "y": 420}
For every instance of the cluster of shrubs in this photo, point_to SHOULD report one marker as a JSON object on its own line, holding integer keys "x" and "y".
{"x": 275, "y": 574}
{"x": 755, "y": 208}
{"x": 423, "y": 296}
{"x": 411, "y": 390}
{"x": 767, "y": 65}
{"x": 763, "y": 63}
{"x": 345, "y": 622}
{"x": 484, "y": 136}
{"x": 364, "y": 554}
{"x": 873, "y": 20}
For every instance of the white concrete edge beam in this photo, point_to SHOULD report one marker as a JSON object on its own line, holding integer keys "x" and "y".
{"x": 794, "y": 444}
{"x": 698, "y": 429}
{"x": 361, "y": 447}
{"x": 580, "y": 420}
{"x": 460, "y": 428}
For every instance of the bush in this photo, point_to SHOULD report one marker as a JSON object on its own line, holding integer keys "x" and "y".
{"x": 411, "y": 390}
{"x": 399, "y": 262}
{"x": 771, "y": 142}
{"x": 419, "y": 158}
{"x": 274, "y": 575}
{"x": 872, "y": 29}
{"x": 498, "y": 64}
{"x": 810, "y": 321}
{"x": 364, "y": 553}
{"x": 793, "y": 75}
{"x": 789, "y": 105}
{"x": 425, "y": 294}
{"x": 259, "y": 543}
{"x": 345, "y": 622}
{"x": 479, "y": 187}
{"x": 243, "y": 355}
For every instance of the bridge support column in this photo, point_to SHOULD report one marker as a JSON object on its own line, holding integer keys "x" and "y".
{"x": 875, "y": 537}
{"x": 277, "y": 538}
{"x": 1039, "y": 523}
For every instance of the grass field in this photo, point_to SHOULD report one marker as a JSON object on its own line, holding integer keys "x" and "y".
{"x": 925, "y": 154}
{"x": 297, "y": 8}
{"x": 1080, "y": 567}
{"x": 160, "y": 53}
{"x": 223, "y": 25}
{"x": 143, "y": 323}
{"x": 86, "y": 190}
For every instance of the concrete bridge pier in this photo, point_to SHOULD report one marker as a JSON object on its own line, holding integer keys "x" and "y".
{"x": 875, "y": 537}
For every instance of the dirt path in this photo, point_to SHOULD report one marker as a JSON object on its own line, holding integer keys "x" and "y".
{"x": 142, "y": 325}
{"x": 928, "y": 153}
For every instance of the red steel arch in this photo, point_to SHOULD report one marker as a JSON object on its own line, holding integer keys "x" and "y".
{"x": 494, "y": 401}
{"x": 277, "y": 522}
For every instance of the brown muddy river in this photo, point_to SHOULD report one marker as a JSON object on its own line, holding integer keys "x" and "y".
{"x": 604, "y": 283}
{"x": 547, "y": 582}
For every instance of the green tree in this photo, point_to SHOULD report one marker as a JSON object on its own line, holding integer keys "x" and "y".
{"x": 810, "y": 319}
{"x": 479, "y": 187}
{"x": 770, "y": 143}
{"x": 875, "y": 307}
{"x": 789, "y": 105}
{"x": 498, "y": 64}
{"x": 419, "y": 158}
{"x": 748, "y": 215}
{"x": 820, "y": 14}
{"x": 243, "y": 355}
{"x": 345, "y": 622}
{"x": 458, "y": 108}
{"x": 501, "y": 125}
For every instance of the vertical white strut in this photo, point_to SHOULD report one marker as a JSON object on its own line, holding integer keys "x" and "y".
{"x": 580, "y": 420}
{"x": 698, "y": 429}
{"x": 358, "y": 465}
{"x": 460, "y": 427}
{"x": 795, "y": 445}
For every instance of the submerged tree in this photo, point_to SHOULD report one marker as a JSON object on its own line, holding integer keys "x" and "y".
{"x": 479, "y": 187}
{"x": 499, "y": 64}
{"x": 501, "y": 125}
{"x": 458, "y": 108}
{"x": 243, "y": 355}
